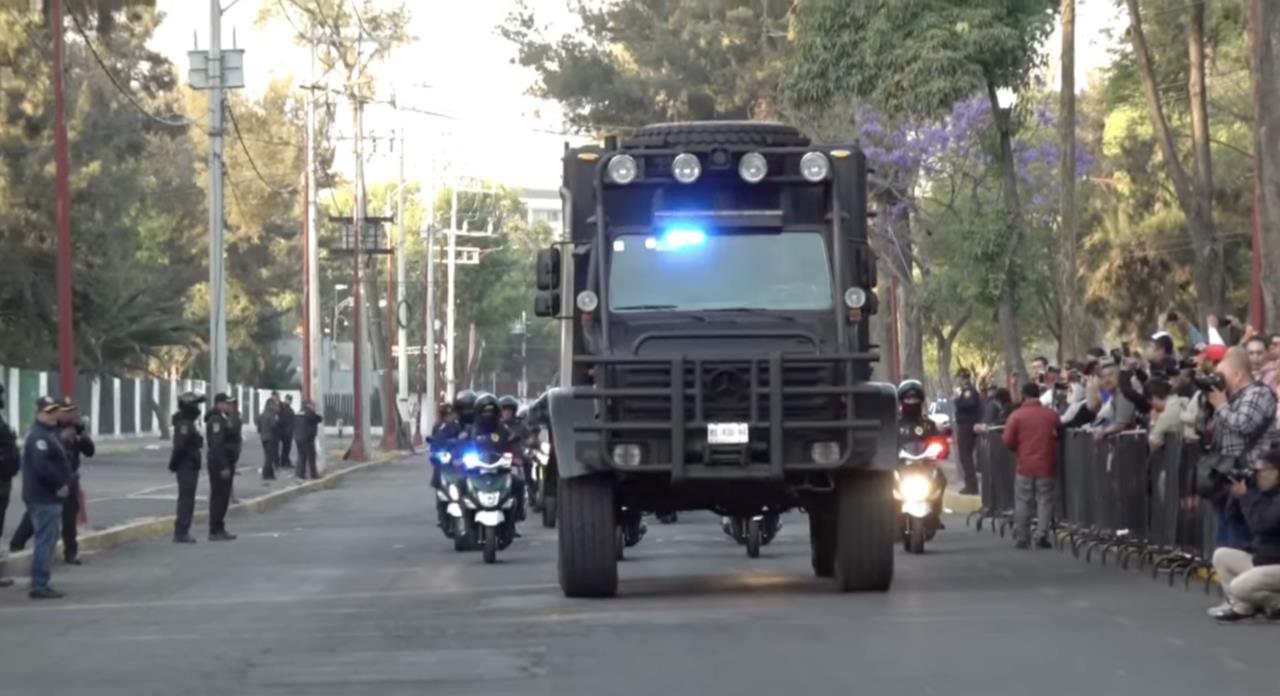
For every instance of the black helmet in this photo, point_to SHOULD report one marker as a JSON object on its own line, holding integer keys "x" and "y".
{"x": 189, "y": 402}
{"x": 464, "y": 402}
{"x": 911, "y": 386}
{"x": 486, "y": 405}
{"x": 510, "y": 402}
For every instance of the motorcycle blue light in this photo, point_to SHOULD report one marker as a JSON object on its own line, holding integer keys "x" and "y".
{"x": 471, "y": 460}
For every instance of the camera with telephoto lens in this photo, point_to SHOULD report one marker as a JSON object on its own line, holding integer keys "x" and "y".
{"x": 1210, "y": 382}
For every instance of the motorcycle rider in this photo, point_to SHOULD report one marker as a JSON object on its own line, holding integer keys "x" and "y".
{"x": 914, "y": 427}
{"x": 444, "y": 437}
{"x": 509, "y": 407}
{"x": 490, "y": 436}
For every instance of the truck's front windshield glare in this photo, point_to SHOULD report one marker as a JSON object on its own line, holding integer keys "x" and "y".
{"x": 774, "y": 272}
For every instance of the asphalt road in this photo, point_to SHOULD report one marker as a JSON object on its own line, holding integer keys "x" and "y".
{"x": 353, "y": 591}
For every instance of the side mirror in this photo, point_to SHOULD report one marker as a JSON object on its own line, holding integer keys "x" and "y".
{"x": 546, "y": 303}
{"x": 548, "y": 269}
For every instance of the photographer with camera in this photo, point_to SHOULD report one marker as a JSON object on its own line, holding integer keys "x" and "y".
{"x": 1242, "y": 424}
{"x": 1251, "y": 582}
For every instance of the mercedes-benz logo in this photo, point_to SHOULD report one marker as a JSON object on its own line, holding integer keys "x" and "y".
{"x": 724, "y": 385}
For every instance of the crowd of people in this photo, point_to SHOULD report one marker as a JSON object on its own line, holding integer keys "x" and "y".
{"x": 1217, "y": 396}
{"x": 49, "y": 462}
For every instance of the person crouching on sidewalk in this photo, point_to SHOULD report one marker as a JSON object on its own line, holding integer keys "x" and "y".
{"x": 1251, "y": 582}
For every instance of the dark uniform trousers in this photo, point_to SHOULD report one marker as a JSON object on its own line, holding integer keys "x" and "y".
{"x": 307, "y": 459}
{"x": 966, "y": 441}
{"x": 70, "y": 517}
{"x": 219, "y": 501}
{"x": 188, "y": 480}
{"x": 285, "y": 443}
{"x": 270, "y": 450}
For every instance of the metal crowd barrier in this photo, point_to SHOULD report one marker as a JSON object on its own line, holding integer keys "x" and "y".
{"x": 1117, "y": 499}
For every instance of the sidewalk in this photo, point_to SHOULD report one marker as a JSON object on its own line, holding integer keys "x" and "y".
{"x": 123, "y": 487}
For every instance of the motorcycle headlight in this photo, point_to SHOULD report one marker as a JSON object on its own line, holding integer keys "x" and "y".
{"x": 444, "y": 457}
{"x": 471, "y": 460}
{"x": 454, "y": 493}
{"x": 915, "y": 488}
{"x": 545, "y": 448}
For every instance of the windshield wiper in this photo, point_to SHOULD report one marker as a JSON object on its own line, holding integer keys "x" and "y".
{"x": 750, "y": 310}
{"x": 642, "y": 307}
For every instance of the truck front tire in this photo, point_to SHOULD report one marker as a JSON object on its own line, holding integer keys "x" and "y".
{"x": 588, "y": 550}
{"x": 866, "y": 532}
{"x": 822, "y": 541}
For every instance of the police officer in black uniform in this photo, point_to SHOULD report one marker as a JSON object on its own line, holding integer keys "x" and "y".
{"x": 234, "y": 433}
{"x": 443, "y": 438}
{"x": 184, "y": 462}
{"x": 221, "y": 470}
{"x": 10, "y": 465}
{"x": 914, "y": 427}
{"x": 510, "y": 406}
{"x": 489, "y": 435}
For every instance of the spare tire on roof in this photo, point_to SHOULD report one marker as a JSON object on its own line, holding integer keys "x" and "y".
{"x": 716, "y": 134}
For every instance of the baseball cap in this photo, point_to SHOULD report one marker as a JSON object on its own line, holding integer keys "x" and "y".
{"x": 48, "y": 404}
{"x": 222, "y": 398}
{"x": 1214, "y": 352}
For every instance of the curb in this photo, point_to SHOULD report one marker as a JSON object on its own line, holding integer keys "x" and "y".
{"x": 961, "y": 504}
{"x": 19, "y": 564}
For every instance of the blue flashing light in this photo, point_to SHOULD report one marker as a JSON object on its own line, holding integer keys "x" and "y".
{"x": 678, "y": 238}
{"x": 471, "y": 459}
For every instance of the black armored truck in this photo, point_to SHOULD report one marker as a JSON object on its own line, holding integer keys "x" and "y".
{"x": 713, "y": 287}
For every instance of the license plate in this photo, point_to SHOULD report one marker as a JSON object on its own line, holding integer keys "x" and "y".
{"x": 727, "y": 433}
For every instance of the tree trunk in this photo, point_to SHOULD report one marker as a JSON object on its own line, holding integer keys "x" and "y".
{"x": 880, "y": 324}
{"x": 1007, "y": 314}
{"x": 943, "y": 347}
{"x": 1209, "y": 271}
{"x": 1070, "y": 342}
{"x": 1265, "y": 36}
{"x": 910, "y": 313}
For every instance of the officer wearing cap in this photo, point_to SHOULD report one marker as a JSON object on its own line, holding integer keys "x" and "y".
{"x": 10, "y": 465}
{"x": 234, "y": 437}
{"x": 46, "y": 483}
{"x": 184, "y": 462}
{"x": 221, "y": 468}
{"x": 76, "y": 443}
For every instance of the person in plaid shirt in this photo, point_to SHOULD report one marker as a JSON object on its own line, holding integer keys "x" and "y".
{"x": 1243, "y": 425}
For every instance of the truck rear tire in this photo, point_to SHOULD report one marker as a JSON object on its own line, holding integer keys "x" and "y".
{"x": 867, "y": 530}
{"x": 588, "y": 551}
{"x": 822, "y": 542}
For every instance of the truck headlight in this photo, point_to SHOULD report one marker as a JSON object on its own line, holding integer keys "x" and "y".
{"x": 587, "y": 301}
{"x": 686, "y": 168}
{"x": 815, "y": 167}
{"x": 855, "y": 298}
{"x": 825, "y": 453}
{"x": 753, "y": 167}
{"x": 627, "y": 455}
{"x": 622, "y": 169}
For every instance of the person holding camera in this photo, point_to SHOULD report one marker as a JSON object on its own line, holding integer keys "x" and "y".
{"x": 1251, "y": 581}
{"x": 1243, "y": 425}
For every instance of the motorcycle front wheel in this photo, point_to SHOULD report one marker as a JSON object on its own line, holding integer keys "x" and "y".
{"x": 914, "y": 540}
{"x": 754, "y": 537}
{"x": 490, "y": 544}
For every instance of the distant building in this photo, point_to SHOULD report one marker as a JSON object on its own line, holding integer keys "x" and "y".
{"x": 543, "y": 206}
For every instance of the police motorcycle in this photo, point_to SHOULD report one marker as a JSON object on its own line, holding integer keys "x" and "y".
{"x": 492, "y": 495}
{"x": 450, "y": 478}
{"x": 753, "y": 531}
{"x": 919, "y": 483}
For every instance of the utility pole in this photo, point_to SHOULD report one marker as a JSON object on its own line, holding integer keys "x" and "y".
{"x": 524, "y": 356}
{"x": 314, "y": 344}
{"x": 402, "y": 338}
{"x": 62, "y": 167}
{"x": 357, "y": 452}
{"x": 450, "y": 336}
{"x": 215, "y": 70}
{"x": 431, "y": 356}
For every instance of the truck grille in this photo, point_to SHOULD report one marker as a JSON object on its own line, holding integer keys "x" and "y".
{"x": 725, "y": 393}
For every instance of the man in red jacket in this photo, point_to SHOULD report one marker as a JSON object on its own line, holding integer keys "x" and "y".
{"x": 1032, "y": 433}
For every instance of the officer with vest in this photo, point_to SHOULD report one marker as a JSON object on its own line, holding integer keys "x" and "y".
{"x": 10, "y": 465}
{"x": 184, "y": 462}
{"x": 221, "y": 467}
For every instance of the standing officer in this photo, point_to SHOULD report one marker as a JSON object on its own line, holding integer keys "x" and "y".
{"x": 46, "y": 483}
{"x": 76, "y": 443}
{"x": 184, "y": 462}
{"x": 968, "y": 413}
{"x": 267, "y": 431}
{"x": 284, "y": 430}
{"x": 10, "y": 465}
{"x": 305, "y": 428}
{"x": 234, "y": 433}
{"x": 221, "y": 470}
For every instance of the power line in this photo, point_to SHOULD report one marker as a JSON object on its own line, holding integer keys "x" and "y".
{"x": 182, "y": 123}
{"x": 235, "y": 125}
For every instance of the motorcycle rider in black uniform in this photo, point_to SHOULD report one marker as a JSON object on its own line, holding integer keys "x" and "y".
{"x": 509, "y": 407}
{"x": 491, "y": 437}
{"x": 185, "y": 462}
{"x": 915, "y": 428}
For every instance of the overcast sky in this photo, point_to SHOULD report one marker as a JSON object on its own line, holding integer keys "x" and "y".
{"x": 461, "y": 67}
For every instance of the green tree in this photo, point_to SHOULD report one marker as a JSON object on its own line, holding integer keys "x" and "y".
{"x": 642, "y": 61}
{"x": 918, "y": 59}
